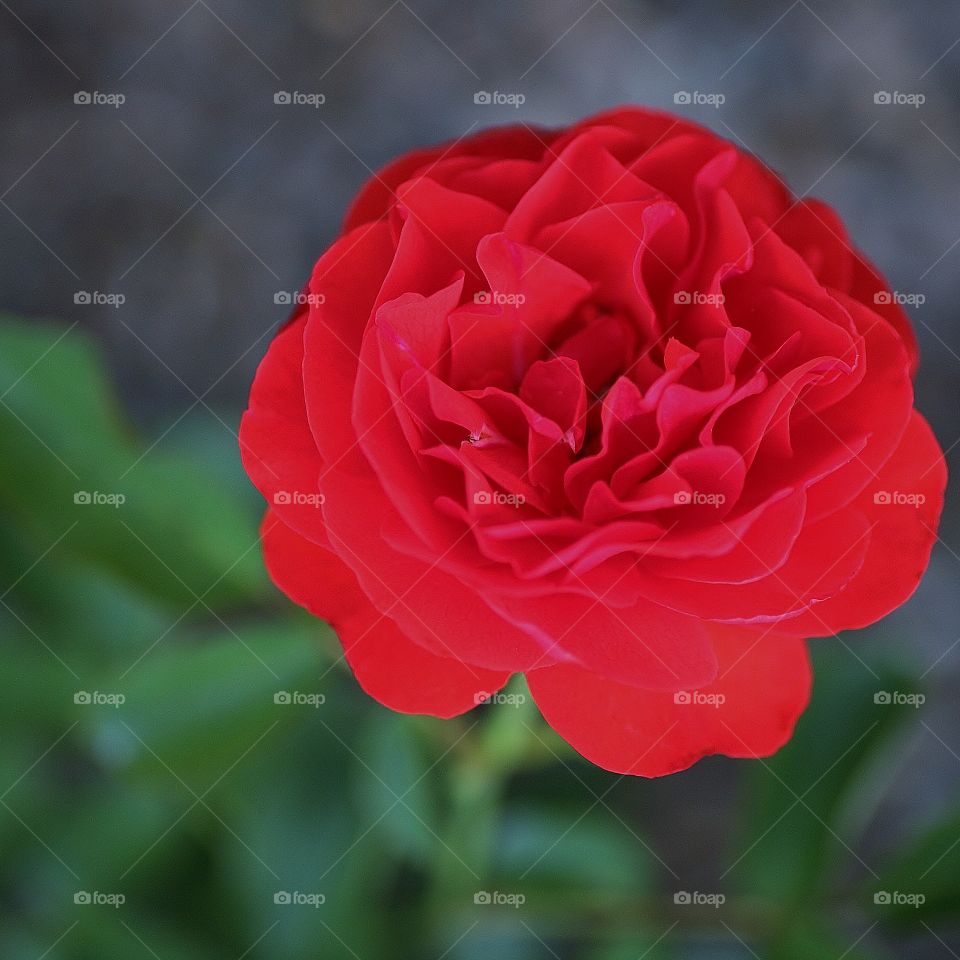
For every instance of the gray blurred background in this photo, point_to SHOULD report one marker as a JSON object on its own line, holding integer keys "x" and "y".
{"x": 198, "y": 199}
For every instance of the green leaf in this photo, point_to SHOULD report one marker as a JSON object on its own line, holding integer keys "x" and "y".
{"x": 795, "y": 802}
{"x": 303, "y": 833}
{"x": 589, "y": 854}
{"x": 197, "y": 703}
{"x": 395, "y": 788}
{"x": 153, "y": 520}
{"x": 647, "y": 944}
{"x": 922, "y": 883}
{"x": 806, "y": 938}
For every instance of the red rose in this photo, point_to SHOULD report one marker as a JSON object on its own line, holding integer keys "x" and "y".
{"x": 605, "y": 406}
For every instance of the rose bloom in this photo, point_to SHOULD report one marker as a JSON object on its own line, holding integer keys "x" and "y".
{"x": 605, "y": 406}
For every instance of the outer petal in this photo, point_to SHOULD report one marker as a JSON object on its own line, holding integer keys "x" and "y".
{"x": 882, "y": 404}
{"x": 374, "y": 199}
{"x": 901, "y": 539}
{"x": 749, "y": 711}
{"x": 392, "y": 669}
{"x": 347, "y": 278}
{"x": 647, "y": 646}
{"x": 825, "y": 558}
{"x": 436, "y": 609}
{"x": 867, "y": 283}
{"x": 276, "y": 446}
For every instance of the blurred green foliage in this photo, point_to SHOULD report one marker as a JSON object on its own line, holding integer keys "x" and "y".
{"x": 205, "y": 804}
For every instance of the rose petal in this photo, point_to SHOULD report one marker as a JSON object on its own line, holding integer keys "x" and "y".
{"x": 764, "y": 682}
{"x": 392, "y": 669}
{"x": 901, "y": 538}
{"x": 276, "y": 446}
